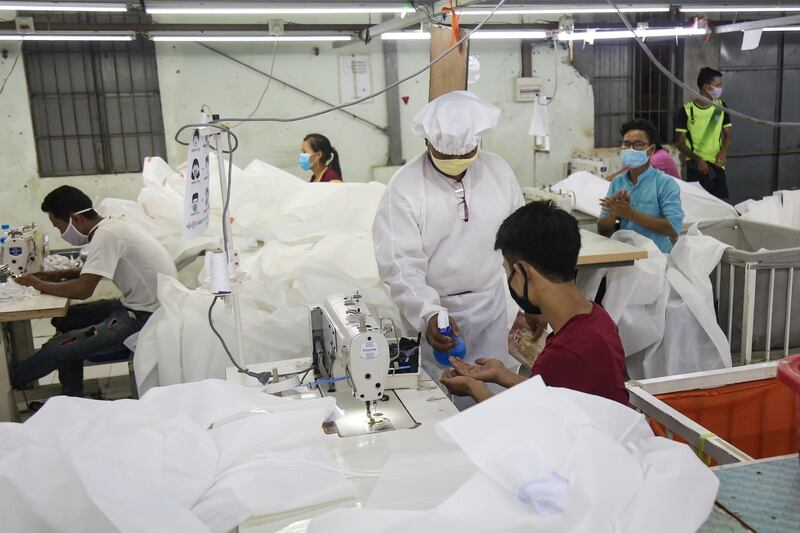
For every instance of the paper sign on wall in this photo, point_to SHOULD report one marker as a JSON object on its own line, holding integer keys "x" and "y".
{"x": 354, "y": 77}
{"x": 196, "y": 201}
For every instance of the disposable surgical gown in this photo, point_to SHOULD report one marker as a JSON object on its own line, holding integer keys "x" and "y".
{"x": 432, "y": 259}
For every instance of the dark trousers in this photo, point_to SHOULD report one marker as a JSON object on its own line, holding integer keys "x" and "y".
{"x": 715, "y": 182}
{"x": 89, "y": 330}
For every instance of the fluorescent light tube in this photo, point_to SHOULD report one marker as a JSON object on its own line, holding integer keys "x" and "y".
{"x": 321, "y": 9}
{"x": 68, "y": 36}
{"x": 626, "y": 34}
{"x": 557, "y": 10}
{"x": 739, "y": 9}
{"x": 64, "y": 6}
{"x": 480, "y": 34}
{"x": 217, "y": 37}
{"x": 509, "y": 34}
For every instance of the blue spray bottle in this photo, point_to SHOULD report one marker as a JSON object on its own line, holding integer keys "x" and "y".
{"x": 459, "y": 350}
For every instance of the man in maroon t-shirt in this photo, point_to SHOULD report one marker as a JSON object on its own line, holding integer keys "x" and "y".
{"x": 540, "y": 245}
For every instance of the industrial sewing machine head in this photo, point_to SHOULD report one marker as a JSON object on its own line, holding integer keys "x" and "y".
{"x": 24, "y": 250}
{"x": 359, "y": 355}
{"x": 564, "y": 200}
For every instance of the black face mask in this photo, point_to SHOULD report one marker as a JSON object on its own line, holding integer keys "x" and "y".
{"x": 521, "y": 301}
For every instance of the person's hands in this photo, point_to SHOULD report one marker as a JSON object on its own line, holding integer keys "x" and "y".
{"x": 722, "y": 158}
{"x": 485, "y": 370}
{"x": 459, "y": 385}
{"x": 439, "y": 342}
{"x": 28, "y": 280}
{"x": 618, "y": 205}
{"x": 702, "y": 167}
{"x": 537, "y": 323}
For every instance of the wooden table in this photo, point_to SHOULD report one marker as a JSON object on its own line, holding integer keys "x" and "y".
{"x": 600, "y": 252}
{"x": 16, "y": 339}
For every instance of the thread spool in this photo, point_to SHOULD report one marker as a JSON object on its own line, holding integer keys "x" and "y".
{"x": 220, "y": 279}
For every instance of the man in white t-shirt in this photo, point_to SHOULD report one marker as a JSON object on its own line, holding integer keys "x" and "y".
{"x": 116, "y": 250}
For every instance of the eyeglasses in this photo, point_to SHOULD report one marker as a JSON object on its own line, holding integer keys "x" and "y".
{"x": 638, "y": 145}
{"x": 463, "y": 208}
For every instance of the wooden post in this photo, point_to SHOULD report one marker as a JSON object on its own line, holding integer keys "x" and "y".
{"x": 449, "y": 74}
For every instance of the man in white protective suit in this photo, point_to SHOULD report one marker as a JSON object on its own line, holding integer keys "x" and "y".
{"x": 435, "y": 228}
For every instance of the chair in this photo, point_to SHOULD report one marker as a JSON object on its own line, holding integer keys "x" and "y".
{"x": 124, "y": 355}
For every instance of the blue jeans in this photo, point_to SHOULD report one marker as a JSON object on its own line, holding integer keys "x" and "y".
{"x": 89, "y": 331}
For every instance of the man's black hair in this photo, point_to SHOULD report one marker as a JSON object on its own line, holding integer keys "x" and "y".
{"x": 66, "y": 200}
{"x": 642, "y": 125}
{"x": 707, "y": 75}
{"x": 545, "y": 237}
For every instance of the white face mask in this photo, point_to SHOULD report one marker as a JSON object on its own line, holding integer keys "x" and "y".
{"x": 715, "y": 92}
{"x": 72, "y": 235}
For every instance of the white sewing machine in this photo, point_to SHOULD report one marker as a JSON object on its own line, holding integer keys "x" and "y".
{"x": 593, "y": 165}
{"x": 563, "y": 199}
{"x": 351, "y": 345}
{"x": 24, "y": 250}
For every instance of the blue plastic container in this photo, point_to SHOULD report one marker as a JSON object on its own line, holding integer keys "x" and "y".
{"x": 459, "y": 350}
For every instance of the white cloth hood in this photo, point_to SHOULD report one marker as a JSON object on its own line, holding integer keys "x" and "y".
{"x": 454, "y": 122}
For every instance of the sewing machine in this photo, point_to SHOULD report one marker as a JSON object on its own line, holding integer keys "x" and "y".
{"x": 352, "y": 347}
{"x": 24, "y": 250}
{"x": 563, "y": 199}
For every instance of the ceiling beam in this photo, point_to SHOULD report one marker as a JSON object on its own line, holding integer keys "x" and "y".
{"x": 757, "y": 24}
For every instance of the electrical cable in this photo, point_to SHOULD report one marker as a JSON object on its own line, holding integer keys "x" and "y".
{"x": 378, "y": 93}
{"x": 11, "y": 71}
{"x": 262, "y": 377}
{"x": 664, "y": 70}
{"x": 269, "y": 82}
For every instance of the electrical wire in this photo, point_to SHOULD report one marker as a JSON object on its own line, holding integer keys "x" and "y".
{"x": 269, "y": 82}
{"x": 378, "y": 93}
{"x": 262, "y": 377}
{"x": 664, "y": 70}
{"x": 11, "y": 71}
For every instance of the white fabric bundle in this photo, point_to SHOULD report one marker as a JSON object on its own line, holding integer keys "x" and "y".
{"x": 781, "y": 209}
{"x": 59, "y": 263}
{"x": 317, "y": 244}
{"x": 541, "y": 459}
{"x": 11, "y": 290}
{"x": 154, "y": 465}
{"x": 663, "y": 306}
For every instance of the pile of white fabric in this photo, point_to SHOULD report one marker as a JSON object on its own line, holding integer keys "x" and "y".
{"x": 780, "y": 209}
{"x": 664, "y": 306}
{"x": 60, "y": 263}
{"x": 156, "y": 464}
{"x": 317, "y": 243}
{"x": 540, "y": 459}
{"x": 698, "y": 204}
{"x": 11, "y": 290}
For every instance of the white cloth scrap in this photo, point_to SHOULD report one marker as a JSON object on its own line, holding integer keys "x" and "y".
{"x": 546, "y": 460}
{"x": 11, "y": 290}
{"x": 156, "y": 465}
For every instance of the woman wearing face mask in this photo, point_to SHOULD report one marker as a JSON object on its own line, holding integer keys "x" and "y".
{"x": 322, "y": 159}
{"x": 643, "y": 199}
{"x": 434, "y": 231}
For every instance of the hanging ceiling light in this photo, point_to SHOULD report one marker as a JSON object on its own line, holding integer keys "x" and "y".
{"x": 97, "y": 7}
{"x": 69, "y": 36}
{"x": 598, "y": 35}
{"x": 478, "y": 35}
{"x": 564, "y": 10}
{"x": 242, "y": 37}
{"x": 738, "y": 9}
{"x": 229, "y": 8}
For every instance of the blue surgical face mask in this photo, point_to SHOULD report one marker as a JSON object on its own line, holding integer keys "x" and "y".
{"x": 634, "y": 158}
{"x": 305, "y": 161}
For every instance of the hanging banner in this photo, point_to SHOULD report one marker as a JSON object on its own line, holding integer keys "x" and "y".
{"x": 196, "y": 201}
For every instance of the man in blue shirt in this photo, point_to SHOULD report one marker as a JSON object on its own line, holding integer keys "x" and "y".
{"x": 644, "y": 199}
